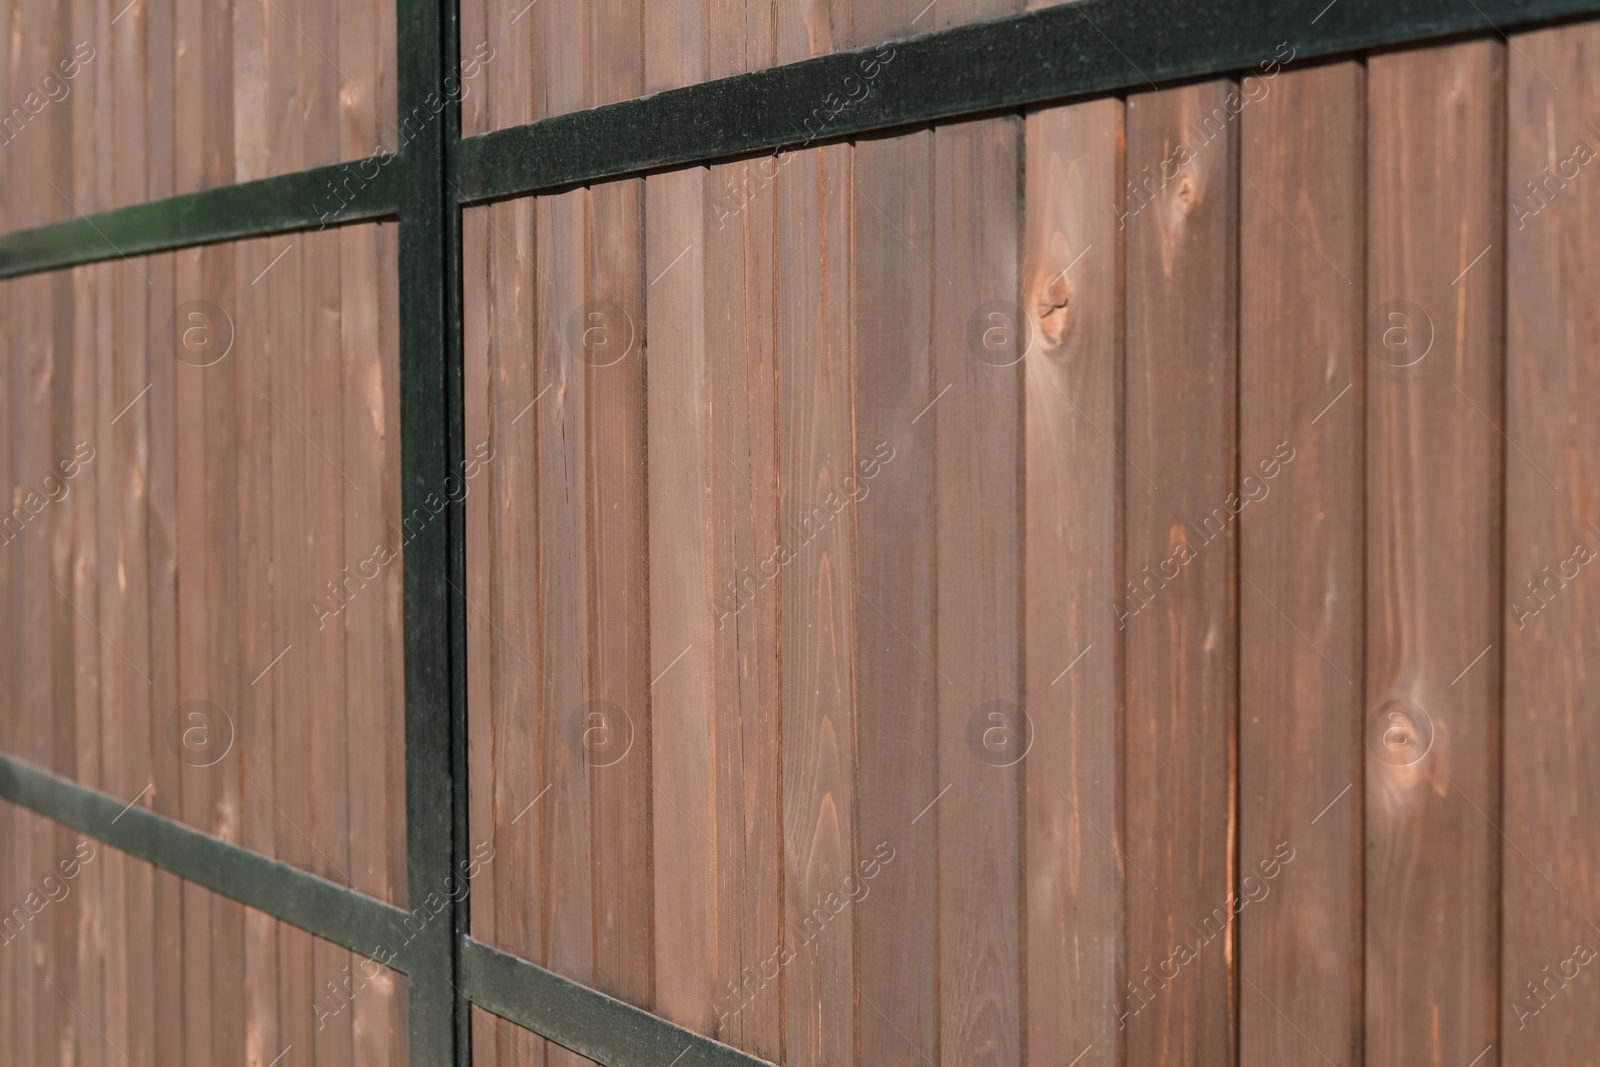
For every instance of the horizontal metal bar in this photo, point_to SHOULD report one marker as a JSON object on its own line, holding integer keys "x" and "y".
{"x": 324, "y": 908}
{"x": 1054, "y": 54}
{"x": 308, "y": 199}
{"x": 589, "y": 1023}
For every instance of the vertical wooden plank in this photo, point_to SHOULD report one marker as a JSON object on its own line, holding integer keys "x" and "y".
{"x": 1072, "y": 380}
{"x": 159, "y": 415}
{"x": 300, "y": 603}
{"x": 619, "y": 768}
{"x": 91, "y": 933}
{"x": 896, "y": 684}
{"x": 1179, "y": 632}
{"x": 194, "y": 552}
{"x": 329, "y": 487}
{"x": 252, "y": 348}
{"x": 816, "y": 454}
{"x": 687, "y": 908}
{"x": 978, "y": 603}
{"x": 1434, "y": 185}
{"x": 617, "y": 760}
{"x": 1301, "y": 400}
{"x": 15, "y": 977}
{"x": 520, "y": 697}
{"x": 369, "y": 437}
{"x": 1425, "y": 459}
{"x": 125, "y": 548}
{"x": 369, "y": 383}
{"x": 566, "y": 614}
{"x": 297, "y": 591}
{"x": 476, "y": 241}
{"x": 742, "y": 642}
{"x": 1550, "y": 537}
{"x": 166, "y": 798}
{"x": 100, "y": 932}
{"x": 393, "y": 675}
{"x": 678, "y": 479}
{"x": 566, "y": 620}
{"x": 1552, "y": 374}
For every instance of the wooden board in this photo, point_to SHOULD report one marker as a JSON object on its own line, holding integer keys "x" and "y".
{"x": 1071, "y": 291}
{"x": 1547, "y": 1010}
{"x": 94, "y": 82}
{"x": 1180, "y": 211}
{"x": 1301, "y": 408}
{"x": 896, "y": 684}
{"x": 978, "y": 606}
{"x": 1433, "y": 587}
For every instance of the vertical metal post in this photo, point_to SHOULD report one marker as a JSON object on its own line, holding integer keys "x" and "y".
{"x": 430, "y": 445}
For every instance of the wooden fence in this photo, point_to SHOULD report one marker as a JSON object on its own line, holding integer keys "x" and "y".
{"x": 1098, "y": 584}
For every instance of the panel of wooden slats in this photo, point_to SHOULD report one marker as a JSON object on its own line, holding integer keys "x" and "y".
{"x": 1221, "y": 428}
{"x": 82, "y": 985}
{"x": 105, "y": 103}
{"x": 1101, "y": 586}
{"x": 201, "y": 454}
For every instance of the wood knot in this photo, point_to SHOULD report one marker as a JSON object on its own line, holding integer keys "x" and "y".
{"x": 1051, "y": 309}
{"x": 1186, "y": 193}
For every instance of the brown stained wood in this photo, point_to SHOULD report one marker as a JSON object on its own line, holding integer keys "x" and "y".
{"x": 476, "y": 328}
{"x": 679, "y": 456}
{"x": 1178, "y": 632}
{"x": 520, "y": 696}
{"x": 166, "y": 795}
{"x": 617, "y": 756}
{"x": 388, "y": 340}
{"x": 566, "y": 615}
{"x": 891, "y": 490}
{"x": 221, "y": 646}
{"x": 815, "y": 362}
{"x": 99, "y": 893}
{"x": 1072, "y": 394}
{"x": 619, "y": 771}
{"x": 193, "y": 548}
{"x": 741, "y": 637}
{"x": 503, "y": 733}
{"x": 369, "y": 376}
{"x": 300, "y": 616}
{"x": 476, "y": 238}
{"x": 1433, "y": 586}
{"x": 254, "y": 719}
{"x": 977, "y": 603}
{"x": 1548, "y": 617}
{"x": 327, "y": 493}
{"x": 1301, "y": 395}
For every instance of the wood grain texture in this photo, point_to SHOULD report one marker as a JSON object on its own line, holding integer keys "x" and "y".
{"x": 1302, "y": 394}
{"x": 679, "y": 457}
{"x": 84, "y": 96}
{"x": 161, "y": 572}
{"x": 517, "y": 687}
{"x": 1547, "y": 1013}
{"x": 816, "y": 446}
{"x": 567, "y": 621}
{"x": 978, "y": 601}
{"x": 741, "y": 309}
{"x": 1180, "y": 210}
{"x": 1072, "y": 410}
{"x": 896, "y": 683}
{"x": 619, "y": 765}
{"x": 1433, "y": 587}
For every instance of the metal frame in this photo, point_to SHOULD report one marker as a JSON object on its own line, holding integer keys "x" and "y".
{"x": 1062, "y": 53}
